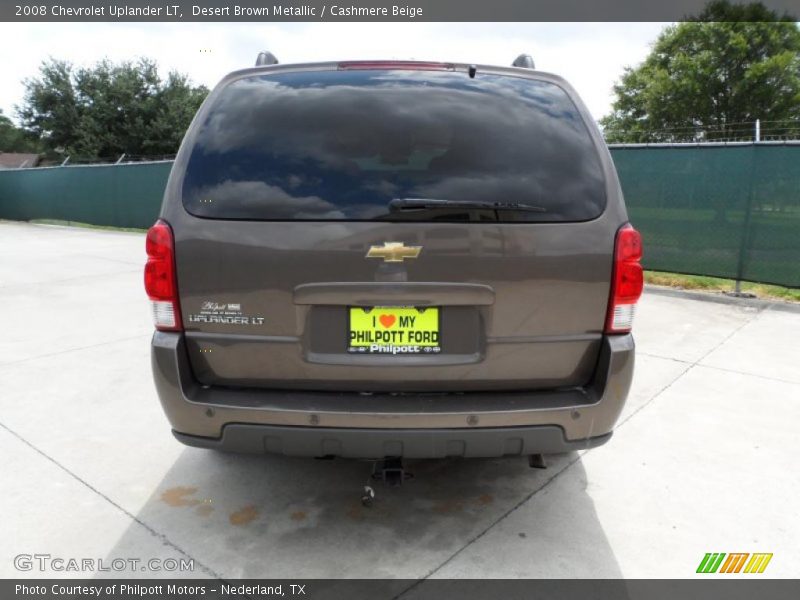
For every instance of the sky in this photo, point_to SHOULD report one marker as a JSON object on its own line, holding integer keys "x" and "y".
{"x": 591, "y": 56}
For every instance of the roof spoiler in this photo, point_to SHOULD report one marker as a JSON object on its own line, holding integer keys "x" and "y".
{"x": 266, "y": 58}
{"x": 524, "y": 61}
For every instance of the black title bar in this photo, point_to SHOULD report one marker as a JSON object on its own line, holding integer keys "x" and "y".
{"x": 710, "y": 588}
{"x": 361, "y": 10}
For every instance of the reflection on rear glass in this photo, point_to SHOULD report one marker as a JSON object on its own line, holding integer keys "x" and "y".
{"x": 334, "y": 145}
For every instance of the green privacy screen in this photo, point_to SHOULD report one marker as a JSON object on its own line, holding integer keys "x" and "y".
{"x": 727, "y": 211}
{"x": 117, "y": 195}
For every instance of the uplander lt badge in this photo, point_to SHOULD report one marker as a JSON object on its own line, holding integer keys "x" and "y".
{"x": 227, "y": 314}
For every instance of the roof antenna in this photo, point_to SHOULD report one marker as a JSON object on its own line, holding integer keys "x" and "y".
{"x": 472, "y": 70}
{"x": 266, "y": 58}
{"x": 524, "y": 61}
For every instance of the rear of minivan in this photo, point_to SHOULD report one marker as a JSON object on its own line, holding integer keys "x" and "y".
{"x": 377, "y": 259}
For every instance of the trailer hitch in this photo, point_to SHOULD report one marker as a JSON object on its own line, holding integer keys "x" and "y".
{"x": 388, "y": 470}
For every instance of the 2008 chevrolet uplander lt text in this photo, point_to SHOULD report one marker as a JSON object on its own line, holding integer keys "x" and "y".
{"x": 393, "y": 259}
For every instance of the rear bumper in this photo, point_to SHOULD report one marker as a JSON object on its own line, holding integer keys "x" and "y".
{"x": 379, "y": 443}
{"x": 378, "y": 425}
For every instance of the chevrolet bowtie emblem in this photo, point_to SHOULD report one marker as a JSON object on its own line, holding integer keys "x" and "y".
{"x": 394, "y": 252}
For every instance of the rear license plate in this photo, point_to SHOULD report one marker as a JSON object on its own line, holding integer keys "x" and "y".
{"x": 394, "y": 330}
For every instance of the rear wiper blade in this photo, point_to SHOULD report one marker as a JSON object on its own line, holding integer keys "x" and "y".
{"x": 433, "y": 203}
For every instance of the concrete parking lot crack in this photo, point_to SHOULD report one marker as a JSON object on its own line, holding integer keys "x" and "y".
{"x": 160, "y": 536}
{"x": 29, "y": 284}
{"x": 488, "y": 528}
{"x": 60, "y": 352}
{"x": 527, "y": 498}
{"x": 717, "y": 368}
{"x": 690, "y": 365}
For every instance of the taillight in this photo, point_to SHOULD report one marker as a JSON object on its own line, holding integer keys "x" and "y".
{"x": 160, "y": 281}
{"x": 627, "y": 280}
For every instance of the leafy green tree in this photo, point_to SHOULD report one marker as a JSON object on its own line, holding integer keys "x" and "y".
{"x": 109, "y": 109}
{"x": 710, "y": 78}
{"x": 15, "y": 139}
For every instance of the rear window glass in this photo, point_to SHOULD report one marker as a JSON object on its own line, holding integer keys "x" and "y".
{"x": 379, "y": 145}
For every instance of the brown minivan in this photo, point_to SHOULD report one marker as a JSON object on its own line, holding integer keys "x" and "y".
{"x": 393, "y": 259}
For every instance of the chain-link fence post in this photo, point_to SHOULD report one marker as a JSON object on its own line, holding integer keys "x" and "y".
{"x": 745, "y": 243}
{"x": 737, "y": 290}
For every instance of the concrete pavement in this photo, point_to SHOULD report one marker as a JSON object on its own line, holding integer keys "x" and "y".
{"x": 704, "y": 459}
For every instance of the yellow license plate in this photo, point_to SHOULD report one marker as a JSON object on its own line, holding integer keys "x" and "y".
{"x": 394, "y": 330}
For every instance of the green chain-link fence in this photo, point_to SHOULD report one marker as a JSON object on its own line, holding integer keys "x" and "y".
{"x": 126, "y": 195}
{"x": 728, "y": 211}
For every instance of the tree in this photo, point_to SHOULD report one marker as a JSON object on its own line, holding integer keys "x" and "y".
{"x": 711, "y": 78}
{"x": 14, "y": 139}
{"x": 109, "y": 109}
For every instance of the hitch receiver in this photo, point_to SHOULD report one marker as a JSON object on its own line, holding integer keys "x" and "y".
{"x": 390, "y": 471}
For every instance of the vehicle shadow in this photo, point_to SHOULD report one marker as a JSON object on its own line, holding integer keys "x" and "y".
{"x": 246, "y": 516}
